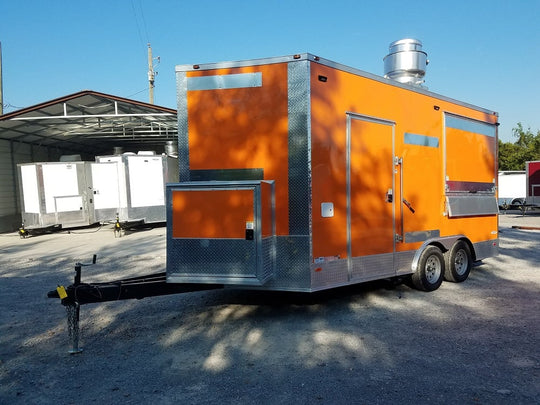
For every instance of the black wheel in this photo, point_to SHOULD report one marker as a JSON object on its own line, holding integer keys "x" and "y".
{"x": 457, "y": 262}
{"x": 430, "y": 272}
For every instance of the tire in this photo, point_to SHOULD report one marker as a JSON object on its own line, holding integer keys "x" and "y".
{"x": 430, "y": 272}
{"x": 458, "y": 262}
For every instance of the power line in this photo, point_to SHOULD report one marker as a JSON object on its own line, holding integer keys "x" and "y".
{"x": 139, "y": 17}
{"x": 9, "y": 105}
{"x": 137, "y": 24}
{"x": 139, "y": 92}
{"x": 144, "y": 22}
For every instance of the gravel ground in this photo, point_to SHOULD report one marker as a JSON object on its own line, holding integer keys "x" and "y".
{"x": 470, "y": 343}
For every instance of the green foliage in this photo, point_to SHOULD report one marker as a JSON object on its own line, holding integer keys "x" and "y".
{"x": 512, "y": 156}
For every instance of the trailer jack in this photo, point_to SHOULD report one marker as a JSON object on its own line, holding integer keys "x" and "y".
{"x": 23, "y": 233}
{"x": 77, "y": 294}
{"x": 121, "y": 227}
{"x": 117, "y": 227}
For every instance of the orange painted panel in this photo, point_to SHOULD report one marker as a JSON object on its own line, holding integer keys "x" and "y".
{"x": 328, "y": 157}
{"x": 470, "y": 157}
{"x": 211, "y": 213}
{"x": 423, "y": 188}
{"x": 244, "y": 128}
{"x": 372, "y": 221}
{"x": 477, "y": 229}
{"x": 328, "y": 162}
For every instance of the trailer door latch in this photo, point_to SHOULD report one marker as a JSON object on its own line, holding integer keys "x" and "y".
{"x": 389, "y": 196}
{"x": 250, "y": 230}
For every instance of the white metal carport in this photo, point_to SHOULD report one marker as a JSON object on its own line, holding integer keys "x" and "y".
{"x": 86, "y": 123}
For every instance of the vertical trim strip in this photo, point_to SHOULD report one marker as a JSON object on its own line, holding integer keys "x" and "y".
{"x": 299, "y": 140}
{"x": 183, "y": 141}
{"x": 348, "y": 193}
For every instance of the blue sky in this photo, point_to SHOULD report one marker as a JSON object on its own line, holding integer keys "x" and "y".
{"x": 485, "y": 53}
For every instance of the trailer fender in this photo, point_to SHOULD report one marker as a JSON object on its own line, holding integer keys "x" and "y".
{"x": 444, "y": 244}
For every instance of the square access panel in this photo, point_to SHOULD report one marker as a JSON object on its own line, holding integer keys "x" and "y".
{"x": 221, "y": 232}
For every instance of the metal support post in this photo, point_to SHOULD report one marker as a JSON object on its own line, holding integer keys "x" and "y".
{"x": 73, "y": 309}
{"x": 73, "y": 313}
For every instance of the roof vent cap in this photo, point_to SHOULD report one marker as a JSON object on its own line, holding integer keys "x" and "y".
{"x": 406, "y": 62}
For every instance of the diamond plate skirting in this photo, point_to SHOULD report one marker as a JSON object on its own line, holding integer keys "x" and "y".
{"x": 221, "y": 261}
{"x": 292, "y": 265}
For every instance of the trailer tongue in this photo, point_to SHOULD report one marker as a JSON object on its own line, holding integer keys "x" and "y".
{"x": 124, "y": 289}
{"x": 79, "y": 293}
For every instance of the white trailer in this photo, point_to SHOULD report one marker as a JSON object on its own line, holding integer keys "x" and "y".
{"x": 512, "y": 188}
{"x": 132, "y": 186}
{"x": 108, "y": 190}
{"x": 56, "y": 194}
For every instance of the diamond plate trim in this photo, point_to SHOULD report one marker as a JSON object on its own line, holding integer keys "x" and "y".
{"x": 299, "y": 147}
{"x": 183, "y": 144}
{"x": 488, "y": 248}
{"x": 371, "y": 267}
{"x": 292, "y": 264}
{"x": 329, "y": 274}
{"x": 403, "y": 262}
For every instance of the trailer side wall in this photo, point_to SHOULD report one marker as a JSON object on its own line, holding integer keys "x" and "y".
{"x": 359, "y": 127}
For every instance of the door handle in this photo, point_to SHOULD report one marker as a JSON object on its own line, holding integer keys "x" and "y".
{"x": 408, "y": 205}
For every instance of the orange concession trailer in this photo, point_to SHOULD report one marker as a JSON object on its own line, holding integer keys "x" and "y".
{"x": 298, "y": 173}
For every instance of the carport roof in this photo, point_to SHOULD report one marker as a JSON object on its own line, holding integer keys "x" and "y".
{"x": 91, "y": 122}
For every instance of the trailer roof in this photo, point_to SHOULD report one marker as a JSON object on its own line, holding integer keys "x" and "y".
{"x": 92, "y": 123}
{"x": 327, "y": 62}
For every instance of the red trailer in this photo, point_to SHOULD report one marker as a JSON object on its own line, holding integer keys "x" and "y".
{"x": 533, "y": 183}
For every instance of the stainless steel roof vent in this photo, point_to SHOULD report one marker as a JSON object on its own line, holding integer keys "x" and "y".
{"x": 406, "y": 62}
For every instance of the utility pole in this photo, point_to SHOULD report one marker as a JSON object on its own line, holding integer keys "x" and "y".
{"x": 1, "y": 88}
{"x": 151, "y": 75}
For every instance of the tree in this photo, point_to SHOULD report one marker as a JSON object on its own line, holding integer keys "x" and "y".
{"x": 512, "y": 156}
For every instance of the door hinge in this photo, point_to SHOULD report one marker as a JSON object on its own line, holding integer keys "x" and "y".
{"x": 397, "y": 160}
{"x": 398, "y": 237}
